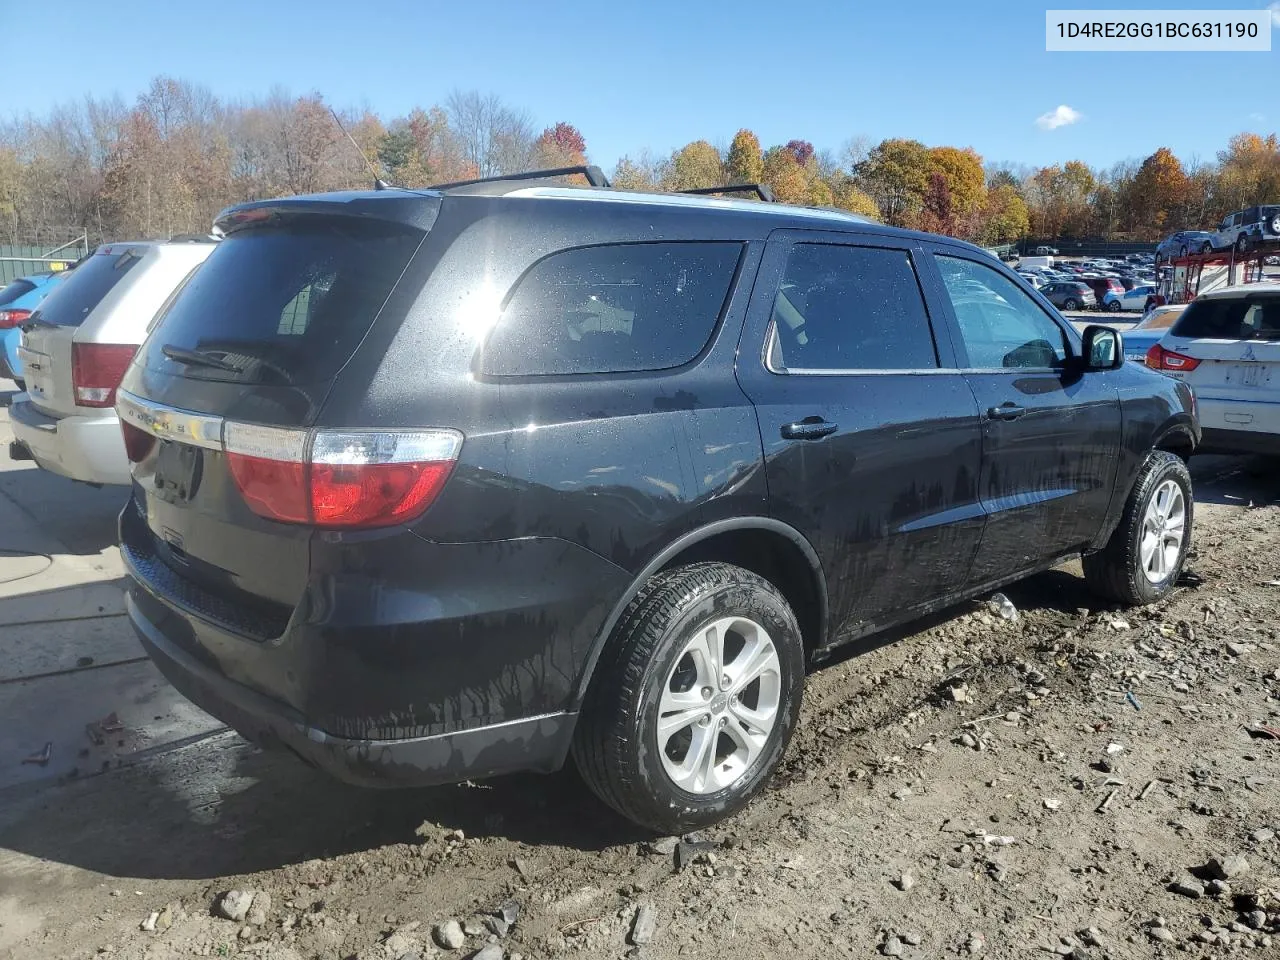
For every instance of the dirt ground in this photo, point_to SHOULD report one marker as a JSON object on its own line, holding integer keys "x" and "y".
{"x": 1061, "y": 783}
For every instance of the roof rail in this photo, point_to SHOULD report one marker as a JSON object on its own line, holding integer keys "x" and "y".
{"x": 595, "y": 176}
{"x": 761, "y": 190}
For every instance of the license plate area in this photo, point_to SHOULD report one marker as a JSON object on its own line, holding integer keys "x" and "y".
{"x": 178, "y": 470}
{"x": 1250, "y": 374}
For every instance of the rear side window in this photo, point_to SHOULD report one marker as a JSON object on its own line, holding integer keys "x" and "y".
{"x": 1255, "y": 317}
{"x": 850, "y": 308}
{"x": 75, "y": 297}
{"x": 617, "y": 308}
{"x": 285, "y": 303}
{"x": 19, "y": 288}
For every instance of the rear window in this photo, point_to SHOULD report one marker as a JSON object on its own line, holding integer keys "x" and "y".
{"x": 19, "y": 288}
{"x": 286, "y": 303}
{"x": 617, "y": 308}
{"x": 1254, "y": 317}
{"x": 75, "y": 298}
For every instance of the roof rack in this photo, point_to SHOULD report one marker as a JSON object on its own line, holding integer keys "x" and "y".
{"x": 761, "y": 190}
{"x": 595, "y": 176}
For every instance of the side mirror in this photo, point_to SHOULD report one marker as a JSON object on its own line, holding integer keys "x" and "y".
{"x": 1103, "y": 349}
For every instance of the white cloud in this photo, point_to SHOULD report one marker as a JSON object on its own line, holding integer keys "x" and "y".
{"x": 1257, "y": 118}
{"x": 1064, "y": 116}
{"x": 1275, "y": 13}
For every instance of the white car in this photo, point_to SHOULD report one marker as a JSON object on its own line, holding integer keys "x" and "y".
{"x": 1226, "y": 346}
{"x": 75, "y": 350}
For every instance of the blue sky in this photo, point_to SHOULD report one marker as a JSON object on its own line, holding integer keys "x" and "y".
{"x": 660, "y": 73}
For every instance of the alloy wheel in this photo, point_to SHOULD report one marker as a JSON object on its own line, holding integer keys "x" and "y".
{"x": 719, "y": 705}
{"x": 1164, "y": 527}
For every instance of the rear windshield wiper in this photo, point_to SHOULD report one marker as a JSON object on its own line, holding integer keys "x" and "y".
{"x": 198, "y": 358}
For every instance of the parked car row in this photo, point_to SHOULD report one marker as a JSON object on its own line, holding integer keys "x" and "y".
{"x": 422, "y": 507}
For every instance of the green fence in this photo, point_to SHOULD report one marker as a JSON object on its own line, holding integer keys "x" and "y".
{"x": 22, "y": 260}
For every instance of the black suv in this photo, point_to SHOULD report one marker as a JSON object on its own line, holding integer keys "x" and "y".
{"x": 437, "y": 485}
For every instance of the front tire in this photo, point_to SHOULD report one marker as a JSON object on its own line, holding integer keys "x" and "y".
{"x": 694, "y": 699}
{"x": 1143, "y": 559}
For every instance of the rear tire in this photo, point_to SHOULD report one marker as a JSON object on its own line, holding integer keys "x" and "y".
{"x": 651, "y": 674}
{"x": 1207, "y": 247}
{"x": 1115, "y": 306}
{"x": 1070, "y": 304}
{"x": 1143, "y": 560}
{"x": 1242, "y": 244}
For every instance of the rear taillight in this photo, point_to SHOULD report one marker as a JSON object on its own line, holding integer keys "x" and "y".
{"x": 13, "y": 318}
{"x": 338, "y": 478}
{"x": 1158, "y": 358}
{"x": 137, "y": 443}
{"x": 96, "y": 371}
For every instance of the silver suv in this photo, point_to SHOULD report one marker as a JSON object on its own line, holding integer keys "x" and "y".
{"x": 76, "y": 347}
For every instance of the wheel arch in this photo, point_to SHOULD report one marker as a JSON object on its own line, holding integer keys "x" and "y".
{"x": 759, "y": 544}
{"x": 1177, "y": 437}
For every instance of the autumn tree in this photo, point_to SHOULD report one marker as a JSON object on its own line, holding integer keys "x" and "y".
{"x": 847, "y": 196}
{"x": 961, "y": 171}
{"x": 1004, "y": 216}
{"x": 561, "y": 146}
{"x": 802, "y": 150}
{"x": 786, "y": 176}
{"x": 895, "y": 175}
{"x": 745, "y": 163}
{"x": 694, "y": 165}
{"x": 937, "y": 215}
{"x": 1250, "y": 171}
{"x": 1153, "y": 203}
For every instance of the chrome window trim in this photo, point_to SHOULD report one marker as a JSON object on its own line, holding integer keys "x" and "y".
{"x": 170, "y": 423}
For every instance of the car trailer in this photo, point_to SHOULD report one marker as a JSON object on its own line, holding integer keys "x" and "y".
{"x": 1181, "y": 279}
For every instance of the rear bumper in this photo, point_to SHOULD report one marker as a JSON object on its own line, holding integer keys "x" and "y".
{"x": 1239, "y": 426}
{"x": 90, "y": 449}
{"x": 1238, "y": 441}
{"x": 405, "y": 662}
{"x": 535, "y": 743}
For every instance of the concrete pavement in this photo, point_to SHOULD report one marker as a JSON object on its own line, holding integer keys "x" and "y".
{"x": 68, "y": 657}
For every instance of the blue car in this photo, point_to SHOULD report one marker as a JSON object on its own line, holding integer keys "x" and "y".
{"x": 18, "y": 301}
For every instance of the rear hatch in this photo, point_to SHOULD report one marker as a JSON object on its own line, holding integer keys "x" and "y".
{"x": 49, "y": 335}
{"x": 1228, "y": 348}
{"x": 248, "y": 349}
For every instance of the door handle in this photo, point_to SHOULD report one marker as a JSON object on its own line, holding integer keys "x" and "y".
{"x": 810, "y": 428}
{"x": 1006, "y": 411}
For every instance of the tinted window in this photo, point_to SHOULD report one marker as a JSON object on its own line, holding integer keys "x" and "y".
{"x": 850, "y": 308}
{"x": 1001, "y": 326}
{"x": 75, "y": 297}
{"x": 612, "y": 309}
{"x": 1255, "y": 317}
{"x": 289, "y": 302}
{"x": 19, "y": 288}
